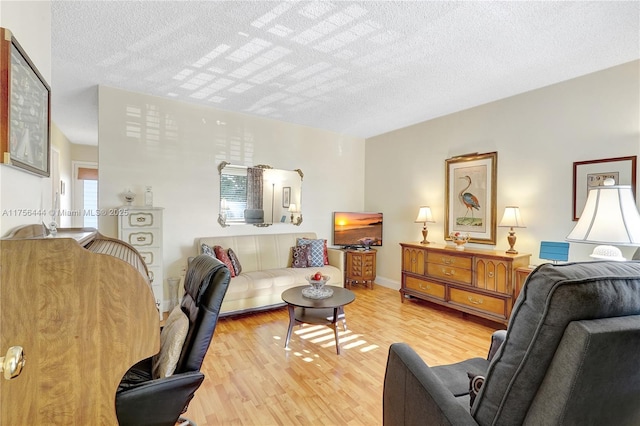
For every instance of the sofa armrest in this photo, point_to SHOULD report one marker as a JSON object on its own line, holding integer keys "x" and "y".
{"x": 336, "y": 258}
{"x": 414, "y": 395}
{"x": 497, "y": 338}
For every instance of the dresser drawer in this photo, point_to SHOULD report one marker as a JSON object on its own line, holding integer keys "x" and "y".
{"x": 142, "y": 219}
{"x": 444, "y": 259}
{"x": 493, "y": 305}
{"x": 425, "y": 287}
{"x": 450, "y": 273}
{"x": 151, "y": 256}
{"x": 140, "y": 239}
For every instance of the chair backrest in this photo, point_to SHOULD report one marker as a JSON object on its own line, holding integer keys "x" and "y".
{"x": 205, "y": 284}
{"x": 554, "y": 297}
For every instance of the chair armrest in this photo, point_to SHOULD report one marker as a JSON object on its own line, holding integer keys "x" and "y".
{"x": 497, "y": 338}
{"x": 336, "y": 258}
{"x": 159, "y": 401}
{"x": 414, "y": 395}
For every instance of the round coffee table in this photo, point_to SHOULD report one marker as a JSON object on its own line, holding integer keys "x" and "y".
{"x": 328, "y": 311}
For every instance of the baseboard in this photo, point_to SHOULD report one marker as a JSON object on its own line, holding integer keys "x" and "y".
{"x": 385, "y": 282}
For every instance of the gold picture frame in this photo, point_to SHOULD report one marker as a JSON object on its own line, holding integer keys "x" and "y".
{"x": 25, "y": 110}
{"x": 471, "y": 191}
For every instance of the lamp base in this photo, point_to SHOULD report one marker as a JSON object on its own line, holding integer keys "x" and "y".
{"x": 424, "y": 236}
{"x": 511, "y": 238}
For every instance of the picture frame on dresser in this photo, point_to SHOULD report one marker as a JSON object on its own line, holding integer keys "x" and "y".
{"x": 25, "y": 110}
{"x": 471, "y": 192}
{"x": 592, "y": 173}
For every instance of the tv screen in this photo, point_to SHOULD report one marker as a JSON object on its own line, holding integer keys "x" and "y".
{"x": 352, "y": 229}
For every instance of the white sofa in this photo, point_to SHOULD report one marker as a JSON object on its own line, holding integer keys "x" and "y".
{"x": 267, "y": 271}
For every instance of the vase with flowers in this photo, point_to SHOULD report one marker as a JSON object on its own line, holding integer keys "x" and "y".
{"x": 459, "y": 239}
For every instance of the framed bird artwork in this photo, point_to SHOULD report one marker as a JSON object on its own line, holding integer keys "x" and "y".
{"x": 471, "y": 190}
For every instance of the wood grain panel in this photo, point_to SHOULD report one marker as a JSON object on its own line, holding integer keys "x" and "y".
{"x": 427, "y": 287}
{"x": 450, "y": 273}
{"x": 82, "y": 318}
{"x": 480, "y": 302}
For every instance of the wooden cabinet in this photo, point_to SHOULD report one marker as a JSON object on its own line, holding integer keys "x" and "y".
{"x": 474, "y": 281}
{"x": 361, "y": 267}
{"x": 142, "y": 228}
{"x": 521, "y": 277}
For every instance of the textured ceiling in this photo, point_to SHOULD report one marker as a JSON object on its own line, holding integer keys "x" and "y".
{"x": 358, "y": 68}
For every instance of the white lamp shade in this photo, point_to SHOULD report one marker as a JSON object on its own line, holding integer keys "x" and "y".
{"x": 292, "y": 208}
{"x": 424, "y": 215}
{"x": 511, "y": 218}
{"x": 610, "y": 216}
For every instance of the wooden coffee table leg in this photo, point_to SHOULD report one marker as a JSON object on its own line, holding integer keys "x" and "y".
{"x": 335, "y": 328}
{"x": 344, "y": 318}
{"x": 292, "y": 322}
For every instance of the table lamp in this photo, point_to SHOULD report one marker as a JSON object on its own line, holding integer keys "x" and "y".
{"x": 512, "y": 219}
{"x": 424, "y": 216}
{"x": 610, "y": 216}
{"x": 292, "y": 210}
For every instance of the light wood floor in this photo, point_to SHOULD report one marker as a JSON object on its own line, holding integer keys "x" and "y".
{"x": 251, "y": 379}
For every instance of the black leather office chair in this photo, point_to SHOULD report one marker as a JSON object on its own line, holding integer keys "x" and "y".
{"x": 144, "y": 401}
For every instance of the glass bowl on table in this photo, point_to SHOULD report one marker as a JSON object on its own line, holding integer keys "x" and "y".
{"x": 317, "y": 288}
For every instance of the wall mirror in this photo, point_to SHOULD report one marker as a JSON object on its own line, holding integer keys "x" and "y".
{"x": 259, "y": 195}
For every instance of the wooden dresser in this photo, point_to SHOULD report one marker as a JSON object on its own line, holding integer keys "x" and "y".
{"x": 475, "y": 281}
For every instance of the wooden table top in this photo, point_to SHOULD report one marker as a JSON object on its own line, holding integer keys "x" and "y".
{"x": 340, "y": 297}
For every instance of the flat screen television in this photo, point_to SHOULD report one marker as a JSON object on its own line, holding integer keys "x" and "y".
{"x": 352, "y": 229}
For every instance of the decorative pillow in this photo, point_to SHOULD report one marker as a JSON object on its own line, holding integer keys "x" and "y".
{"x": 475, "y": 383}
{"x": 171, "y": 343}
{"x": 207, "y": 250}
{"x": 237, "y": 268}
{"x": 222, "y": 256}
{"x": 300, "y": 257}
{"x": 316, "y": 253}
{"x": 325, "y": 253}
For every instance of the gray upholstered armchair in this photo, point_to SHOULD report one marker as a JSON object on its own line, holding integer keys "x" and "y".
{"x": 570, "y": 356}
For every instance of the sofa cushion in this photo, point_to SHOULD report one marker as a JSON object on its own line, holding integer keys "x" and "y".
{"x": 300, "y": 257}
{"x": 316, "y": 254}
{"x": 554, "y": 296}
{"x": 237, "y": 267}
{"x": 222, "y": 256}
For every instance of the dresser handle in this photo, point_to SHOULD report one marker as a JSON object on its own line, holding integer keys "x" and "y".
{"x": 475, "y": 301}
{"x": 449, "y": 272}
{"x": 424, "y": 287}
{"x": 141, "y": 219}
{"x": 490, "y": 274}
{"x": 447, "y": 261}
{"x": 141, "y": 238}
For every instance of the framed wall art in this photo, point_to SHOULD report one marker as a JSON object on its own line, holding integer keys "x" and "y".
{"x": 471, "y": 190}
{"x": 588, "y": 174}
{"x": 25, "y": 101}
{"x": 286, "y": 196}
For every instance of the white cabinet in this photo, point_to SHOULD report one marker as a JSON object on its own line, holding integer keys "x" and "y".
{"x": 142, "y": 228}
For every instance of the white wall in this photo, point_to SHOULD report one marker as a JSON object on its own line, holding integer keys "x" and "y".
{"x": 176, "y": 147}
{"x": 21, "y": 192}
{"x": 538, "y": 135}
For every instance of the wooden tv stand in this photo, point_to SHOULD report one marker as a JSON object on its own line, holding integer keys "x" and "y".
{"x": 473, "y": 281}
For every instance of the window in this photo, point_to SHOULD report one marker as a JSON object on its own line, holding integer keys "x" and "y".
{"x": 85, "y": 195}
{"x": 235, "y": 189}
{"x": 90, "y": 203}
